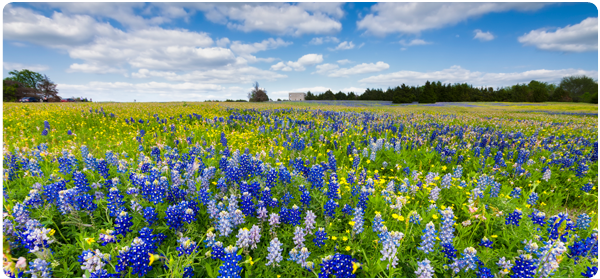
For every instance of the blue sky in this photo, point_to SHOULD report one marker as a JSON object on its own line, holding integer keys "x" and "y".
{"x": 199, "y": 51}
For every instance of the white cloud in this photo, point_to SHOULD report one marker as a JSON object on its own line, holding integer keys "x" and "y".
{"x": 414, "y": 42}
{"x": 483, "y": 36}
{"x": 151, "y": 91}
{"x": 240, "y": 48}
{"x": 229, "y": 74}
{"x": 321, "y": 40}
{"x": 9, "y": 66}
{"x": 345, "y": 45}
{"x": 344, "y": 61}
{"x": 334, "y": 71}
{"x": 59, "y": 30}
{"x": 333, "y": 9}
{"x": 94, "y": 68}
{"x": 456, "y": 74}
{"x": 275, "y": 18}
{"x": 572, "y": 38}
{"x": 412, "y": 18}
{"x": 300, "y": 65}
{"x": 223, "y": 42}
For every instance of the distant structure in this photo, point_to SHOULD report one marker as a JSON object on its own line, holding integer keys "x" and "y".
{"x": 297, "y": 96}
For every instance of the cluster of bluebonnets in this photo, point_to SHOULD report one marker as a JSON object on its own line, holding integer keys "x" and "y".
{"x": 311, "y": 193}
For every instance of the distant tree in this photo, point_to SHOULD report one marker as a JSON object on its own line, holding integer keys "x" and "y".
{"x": 539, "y": 91}
{"x": 428, "y": 95}
{"x": 341, "y": 96}
{"x": 258, "y": 94}
{"x": 48, "y": 90}
{"x": 578, "y": 85}
{"x": 328, "y": 95}
{"x": 26, "y": 77}
{"x": 309, "y": 96}
{"x": 12, "y": 91}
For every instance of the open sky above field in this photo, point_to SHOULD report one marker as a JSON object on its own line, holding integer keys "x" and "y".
{"x": 199, "y": 51}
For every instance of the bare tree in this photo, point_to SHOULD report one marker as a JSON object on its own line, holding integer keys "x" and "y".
{"x": 258, "y": 94}
{"x": 47, "y": 89}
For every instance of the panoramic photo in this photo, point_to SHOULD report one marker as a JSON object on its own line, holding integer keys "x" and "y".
{"x": 300, "y": 140}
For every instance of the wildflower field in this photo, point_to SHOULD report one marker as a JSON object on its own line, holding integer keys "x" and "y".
{"x": 297, "y": 190}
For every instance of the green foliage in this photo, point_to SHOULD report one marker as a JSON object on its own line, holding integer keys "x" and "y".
{"x": 26, "y": 77}
{"x": 577, "y": 86}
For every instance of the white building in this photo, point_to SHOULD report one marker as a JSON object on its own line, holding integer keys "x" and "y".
{"x": 297, "y": 96}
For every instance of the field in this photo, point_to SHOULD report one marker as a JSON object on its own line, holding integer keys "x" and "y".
{"x": 292, "y": 189}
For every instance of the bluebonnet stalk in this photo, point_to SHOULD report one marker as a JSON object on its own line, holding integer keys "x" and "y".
{"x": 514, "y": 217}
{"x": 218, "y": 252}
{"x": 330, "y": 207}
{"x": 309, "y": 221}
{"x": 504, "y": 265}
{"x": 424, "y": 269}
{"x": 40, "y": 269}
{"x": 186, "y": 246}
{"x": 485, "y": 242}
{"x": 515, "y": 193}
{"x": 377, "y": 222}
{"x": 320, "y": 237}
{"x": 533, "y": 198}
{"x": 583, "y": 221}
{"x": 123, "y": 223}
{"x": 358, "y": 220}
{"x": 274, "y": 250}
{"x": 525, "y": 266}
{"x": 428, "y": 238}
{"x": 225, "y": 227}
{"x": 106, "y": 237}
{"x": 150, "y": 215}
{"x": 299, "y": 235}
{"x": 230, "y": 267}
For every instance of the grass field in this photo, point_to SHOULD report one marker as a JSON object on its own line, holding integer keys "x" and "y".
{"x": 300, "y": 189}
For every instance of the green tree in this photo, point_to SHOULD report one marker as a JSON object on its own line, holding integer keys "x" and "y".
{"x": 258, "y": 94}
{"x": 578, "y": 85}
{"x": 539, "y": 90}
{"x": 26, "y": 77}
{"x": 428, "y": 95}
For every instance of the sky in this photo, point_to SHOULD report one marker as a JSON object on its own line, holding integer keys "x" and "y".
{"x": 158, "y": 52}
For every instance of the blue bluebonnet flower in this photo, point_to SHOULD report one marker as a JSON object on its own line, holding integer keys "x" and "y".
{"x": 391, "y": 243}
{"x": 299, "y": 235}
{"x": 533, "y": 198}
{"x": 504, "y": 265}
{"x": 210, "y": 239}
{"x": 34, "y": 168}
{"x": 40, "y": 269}
{"x": 549, "y": 259}
{"x": 583, "y": 221}
{"x": 225, "y": 227}
{"x": 150, "y": 215}
{"x": 547, "y": 175}
{"x": 115, "y": 202}
{"x": 186, "y": 246}
{"x": 415, "y": 218}
{"x": 93, "y": 261}
{"x": 274, "y": 250}
{"x": 85, "y": 202}
{"x": 106, "y": 237}
{"x": 447, "y": 228}
{"x": 248, "y": 207}
{"x": 469, "y": 260}
{"x": 284, "y": 175}
{"x": 582, "y": 248}
{"x": 482, "y": 271}
{"x": 320, "y": 237}
{"x": 254, "y": 236}
{"x": 123, "y": 223}
{"x": 587, "y": 187}
{"x": 358, "y": 220}
{"x": 218, "y": 252}
{"x": 525, "y": 266}
{"x": 237, "y": 218}
{"x": 316, "y": 177}
{"x": 590, "y": 271}
{"x": 347, "y": 209}
{"x": 230, "y": 267}
{"x": 174, "y": 217}
{"x": 243, "y": 238}
{"x": 538, "y": 217}
{"x": 339, "y": 265}
{"x": 330, "y": 207}
{"x": 582, "y": 169}
{"x": 137, "y": 256}
{"x": 302, "y": 256}
{"x": 35, "y": 238}
{"x": 34, "y": 199}
{"x": 188, "y": 272}
{"x": 485, "y": 242}
{"x": 377, "y": 222}
{"x": 428, "y": 238}
{"x": 309, "y": 221}
{"x": 515, "y": 193}
{"x": 424, "y": 269}
{"x": 514, "y": 217}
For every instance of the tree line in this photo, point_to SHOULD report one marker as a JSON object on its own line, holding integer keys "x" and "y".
{"x": 570, "y": 89}
{"x": 26, "y": 83}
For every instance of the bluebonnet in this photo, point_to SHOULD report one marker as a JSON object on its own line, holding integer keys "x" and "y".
{"x": 549, "y": 259}
{"x": 35, "y": 238}
{"x": 106, "y": 237}
{"x": 123, "y": 223}
{"x": 514, "y": 217}
{"x": 135, "y": 256}
{"x": 504, "y": 265}
{"x": 482, "y": 271}
{"x": 34, "y": 199}
{"x": 330, "y": 207}
{"x": 333, "y": 188}
{"x": 316, "y": 177}
{"x": 538, "y": 217}
{"x": 218, "y": 252}
{"x": 320, "y": 237}
{"x": 415, "y": 218}
{"x": 424, "y": 269}
{"x": 590, "y": 271}
{"x": 309, "y": 221}
{"x": 524, "y": 267}
{"x": 338, "y": 265}
{"x": 515, "y": 193}
{"x": 188, "y": 272}
{"x": 305, "y": 198}
{"x": 582, "y": 248}
{"x": 284, "y": 175}
{"x": 587, "y": 187}
{"x": 224, "y": 226}
{"x": 533, "y": 198}
{"x": 364, "y": 196}
{"x": 93, "y": 260}
{"x": 299, "y": 235}
{"x": 274, "y": 250}
{"x": 485, "y": 242}
{"x": 115, "y": 202}
{"x": 150, "y": 215}
{"x": 428, "y": 238}
{"x": 583, "y": 221}
{"x": 248, "y": 207}
{"x": 186, "y": 246}
{"x": 40, "y": 268}
{"x": 230, "y": 267}
{"x": 358, "y": 220}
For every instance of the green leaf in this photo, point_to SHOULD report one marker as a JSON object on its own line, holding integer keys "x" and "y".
{"x": 209, "y": 270}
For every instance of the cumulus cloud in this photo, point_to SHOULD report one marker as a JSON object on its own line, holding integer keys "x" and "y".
{"x": 332, "y": 70}
{"x": 275, "y": 18}
{"x": 345, "y": 45}
{"x": 344, "y": 61}
{"x": 321, "y": 40}
{"x": 240, "y": 48}
{"x": 152, "y": 91}
{"x": 230, "y": 74}
{"x": 456, "y": 74}
{"x": 580, "y": 37}
{"x": 10, "y": 66}
{"x": 412, "y": 18}
{"x": 483, "y": 36}
{"x": 414, "y": 42}
{"x": 300, "y": 65}
{"x": 94, "y": 69}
